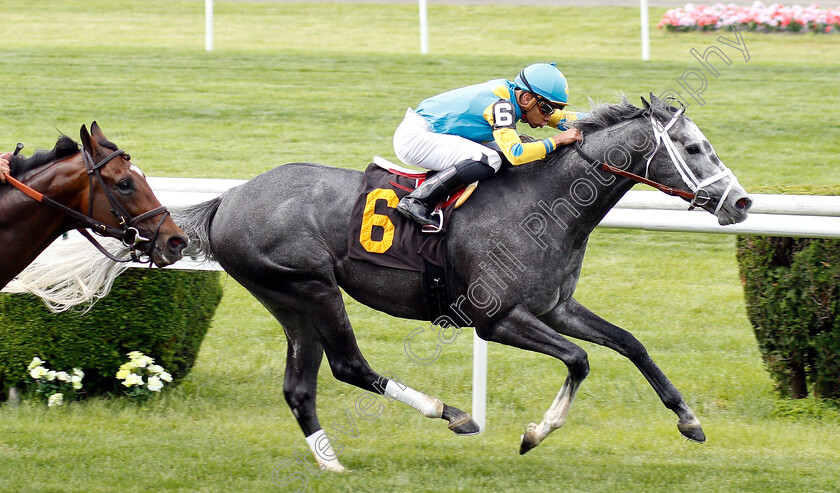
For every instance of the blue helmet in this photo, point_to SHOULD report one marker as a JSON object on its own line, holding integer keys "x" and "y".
{"x": 544, "y": 80}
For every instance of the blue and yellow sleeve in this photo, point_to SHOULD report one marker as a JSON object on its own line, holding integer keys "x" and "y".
{"x": 518, "y": 152}
{"x": 560, "y": 117}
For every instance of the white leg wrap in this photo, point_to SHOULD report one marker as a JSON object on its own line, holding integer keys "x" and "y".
{"x": 428, "y": 406}
{"x": 319, "y": 444}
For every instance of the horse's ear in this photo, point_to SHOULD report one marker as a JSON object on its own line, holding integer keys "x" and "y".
{"x": 653, "y": 98}
{"x": 96, "y": 132}
{"x": 645, "y": 104}
{"x": 89, "y": 144}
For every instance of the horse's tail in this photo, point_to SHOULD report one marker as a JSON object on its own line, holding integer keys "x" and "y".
{"x": 70, "y": 273}
{"x": 195, "y": 222}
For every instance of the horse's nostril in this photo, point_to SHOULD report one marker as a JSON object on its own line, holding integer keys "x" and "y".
{"x": 743, "y": 204}
{"x": 177, "y": 243}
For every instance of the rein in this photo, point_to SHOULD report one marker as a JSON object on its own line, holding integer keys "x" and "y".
{"x": 626, "y": 174}
{"x": 127, "y": 232}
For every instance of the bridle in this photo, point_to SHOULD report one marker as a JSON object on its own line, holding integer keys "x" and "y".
{"x": 125, "y": 232}
{"x": 698, "y": 196}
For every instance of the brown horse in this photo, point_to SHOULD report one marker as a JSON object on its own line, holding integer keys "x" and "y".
{"x": 66, "y": 188}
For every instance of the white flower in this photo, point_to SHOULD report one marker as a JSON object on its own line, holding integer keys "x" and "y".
{"x": 76, "y": 380}
{"x": 135, "y": 355}
{"x": 55, "y": 400}
{"x": 142, "y": 361}
{"x": 154, "y": 384}
{"x": 38, "y": 372}
{"x": 79, "y": 373}
{"x": 36, "y": 361}
{"x": 62, "y": 376}
{"x": 166, "y": 377}
{"x": 51, "y": 375}
{"x": 155, "y": 369}
{"x": 133, "y": 379}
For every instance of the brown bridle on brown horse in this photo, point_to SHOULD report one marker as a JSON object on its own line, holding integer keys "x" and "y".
{"x": 96, "y": 188}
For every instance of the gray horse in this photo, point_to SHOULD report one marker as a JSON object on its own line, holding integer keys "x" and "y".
{"x": 515, "y": 251}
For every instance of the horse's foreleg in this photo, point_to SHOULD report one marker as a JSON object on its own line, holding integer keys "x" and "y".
{"x": 554, "y": 418}
{"x": 573, "y": 319}
{"x": 521, "y": 329}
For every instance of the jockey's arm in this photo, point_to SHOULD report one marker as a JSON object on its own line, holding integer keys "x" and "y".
{"x": 518, "y": 152}
{"x": 560, "y": 118}
{"x": 4, "y": 165}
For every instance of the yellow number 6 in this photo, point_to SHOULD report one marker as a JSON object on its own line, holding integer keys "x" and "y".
{"x": 371, "y": 219}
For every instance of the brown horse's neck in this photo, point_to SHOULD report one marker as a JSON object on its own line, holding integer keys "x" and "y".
{"x": 27, "y": 227}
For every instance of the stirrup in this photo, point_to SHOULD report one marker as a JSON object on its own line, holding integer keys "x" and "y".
{"x": 436, "y": 228}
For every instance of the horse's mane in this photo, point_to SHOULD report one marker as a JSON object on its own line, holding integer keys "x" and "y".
{"x": 605, "y": 115}
{"x": 65, "y": 146}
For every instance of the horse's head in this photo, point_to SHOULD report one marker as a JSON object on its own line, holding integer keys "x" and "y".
{"x": 127, "y": 201}
{"x": 681, "y": 156}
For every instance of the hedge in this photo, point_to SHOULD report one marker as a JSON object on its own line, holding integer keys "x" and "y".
{"x": 162, "y": 313}
{"x": 793, "y": 303}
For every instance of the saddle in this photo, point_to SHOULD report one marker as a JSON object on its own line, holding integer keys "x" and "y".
{"x": 457, "y": 198}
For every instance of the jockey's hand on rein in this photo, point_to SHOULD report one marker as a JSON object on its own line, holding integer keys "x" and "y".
{"x": 567, "y": 137}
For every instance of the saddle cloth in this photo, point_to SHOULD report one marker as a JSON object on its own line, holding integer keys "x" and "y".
{"x": 379, "y": 234}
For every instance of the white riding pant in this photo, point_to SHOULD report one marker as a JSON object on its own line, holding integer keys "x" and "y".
{"x": 416, "y": 144}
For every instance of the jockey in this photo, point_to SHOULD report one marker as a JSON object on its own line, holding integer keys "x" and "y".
{"x": 4, "y": 165}
{"x": 445, "y": 132}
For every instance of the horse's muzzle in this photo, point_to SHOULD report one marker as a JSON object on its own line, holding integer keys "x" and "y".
{"x": 169, "y": 248}
{"x": 735, "y": 208}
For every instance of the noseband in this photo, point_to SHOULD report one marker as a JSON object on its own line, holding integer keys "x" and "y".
{"x": 126, "y": 232}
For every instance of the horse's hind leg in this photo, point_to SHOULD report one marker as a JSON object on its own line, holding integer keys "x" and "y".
{"x": 303, "y": 358}
{"x": 349, "y": 365}
{"x": 319, "y": 324}
{"x": 300, "y": 384}
{"x": 574, "y": 320}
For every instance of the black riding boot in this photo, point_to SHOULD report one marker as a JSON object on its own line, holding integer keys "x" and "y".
{"x": 418, "y": 204}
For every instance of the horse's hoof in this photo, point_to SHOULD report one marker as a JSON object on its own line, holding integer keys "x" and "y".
{"x": 692, "y": 431}
{"x": 460, "y": 422}
{"x": 526, "y": 445}
{"x": 528, "y": 439}
{"x": 464, "y": 426}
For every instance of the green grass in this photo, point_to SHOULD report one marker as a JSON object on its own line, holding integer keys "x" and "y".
{"x": 329, "y": 83}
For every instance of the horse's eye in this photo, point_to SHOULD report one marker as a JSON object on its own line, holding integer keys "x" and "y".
{"x": 693, "y": 149}
{"x": 124, "y": 185}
